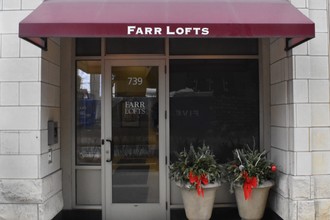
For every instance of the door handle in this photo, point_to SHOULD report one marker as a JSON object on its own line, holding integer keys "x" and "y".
{"x": 109, "y": 151}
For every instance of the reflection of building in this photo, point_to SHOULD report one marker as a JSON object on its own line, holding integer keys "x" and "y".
{"x": 288, "y": 111}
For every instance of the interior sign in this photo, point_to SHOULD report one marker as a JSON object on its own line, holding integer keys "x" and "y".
{"x": 135, "y": 108}
{"x": 167, "y": 31}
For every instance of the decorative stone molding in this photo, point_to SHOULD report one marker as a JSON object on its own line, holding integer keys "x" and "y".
{"x": 18, "y": 211}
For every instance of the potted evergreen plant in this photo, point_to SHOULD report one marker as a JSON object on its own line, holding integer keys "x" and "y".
{"x": 251, "y": 176}
{"x": 198, "y": 175}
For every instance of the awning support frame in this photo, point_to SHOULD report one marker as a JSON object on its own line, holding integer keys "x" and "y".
{"x": 290, "y": 43}
{"x": 40, "y": 42}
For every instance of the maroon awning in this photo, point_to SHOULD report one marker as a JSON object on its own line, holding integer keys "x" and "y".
{"x": 167, "y": 18}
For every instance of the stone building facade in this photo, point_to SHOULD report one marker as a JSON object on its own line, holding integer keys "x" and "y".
{"x": 296, "y": 120}
{"x": 31, "y": 187}
{"x": 299, "y": 120}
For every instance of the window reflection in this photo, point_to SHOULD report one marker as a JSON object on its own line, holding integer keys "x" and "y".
{"x": 88, "y": 123}
{"x": 215, "y": 102}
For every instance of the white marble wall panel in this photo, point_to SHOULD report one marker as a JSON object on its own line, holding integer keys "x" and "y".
{"x": 300, "y": 187}
{"x": 11, "y": 4}
{"x": 30, "y": 93}
{"x": 302, "y": 49}
{"x": 278, "y": 71}
{"x": 319, "y": 91}
{"x": 303, "y": 163}
{"x": 9, "y": 20}
{"x": 51, "y": 207}
{"x": 320, "y": 115}
{"x": 19, "y": 118}
{"x": 281, "y": 185}
{"x": 10, "y": 45}
{"x": 306, "y": 210}
{"x": 320, "y": 18}
{"x": 30, "y": 191}
{"x": 9, "y": 92}
{"x": 299, "y": 3}
{"x": 51, "y": 185}
{"x": 301, "y": 67}
{"x": 20, "y": 191}
{"x": 301, "y": 139}
{"x": 321, "y": 162}
{"x": 299, "y": 91}
{"x": 303, "y": 115}
{"x": 30, "y": 142}
{"x": 279, "y": 93}
{"x": 279, "y": 115}
{"x": 21, "y": 166}
{"x": 9, "y": 142}
{"x": 279, "y": 137}
{"x": 280, "y": 205}
{"x": 319, "y": 44}
{"x": 29, "y": 50}
{"x": 51, "y": 73}
{"x": 319, "y": 67}
{"x": 281, "y": 159}
{"x": 30, "y": 4}
{"x": 29, "y": 97}
{"x": 26, "y": 71}
{"x": 47, "y": 168}
{"x": 53, "y": 53}
{"x": 322, "y": 207}
{"x": 277, "y": 51}
{"x": 317, "y": 4}
{"x": 50, "y": 95}
{"x": 49, "y": 113}
{"x": 322, "y": 187}
{"x": 320, "y": 139}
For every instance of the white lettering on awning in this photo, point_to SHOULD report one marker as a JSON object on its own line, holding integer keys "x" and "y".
{"x": 167, "y": 31}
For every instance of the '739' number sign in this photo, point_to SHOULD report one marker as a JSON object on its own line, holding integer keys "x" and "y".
{"x": 135, "y": 81}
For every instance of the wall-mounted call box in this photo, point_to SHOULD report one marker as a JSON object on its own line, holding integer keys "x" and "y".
{"x": 52, "y": 133}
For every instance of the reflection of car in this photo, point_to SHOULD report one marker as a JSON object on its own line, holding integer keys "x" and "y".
{"x": 89, "y": 155}
{"x": 190, "y": 92}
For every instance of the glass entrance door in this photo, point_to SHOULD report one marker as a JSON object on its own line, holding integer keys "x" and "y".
{"x": 134, "y": 153}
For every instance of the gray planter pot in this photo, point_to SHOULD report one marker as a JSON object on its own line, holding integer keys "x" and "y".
{"x": 198, "y": 207}
{"x": 254, "y": 207}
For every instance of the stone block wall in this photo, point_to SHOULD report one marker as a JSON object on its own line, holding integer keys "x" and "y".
{"x": 30, "y": 186}
{"x": 300, "y": 121}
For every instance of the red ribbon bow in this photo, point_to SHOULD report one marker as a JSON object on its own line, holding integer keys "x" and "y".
{"x": 249, "y": 184}
{"x": 198, "y": 180}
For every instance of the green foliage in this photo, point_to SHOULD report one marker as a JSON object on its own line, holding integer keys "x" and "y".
{"x": 251, "y": 161}
{"x": 200, "y": 161}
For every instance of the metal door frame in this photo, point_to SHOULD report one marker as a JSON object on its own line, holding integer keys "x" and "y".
{"x": 152, "y": 209}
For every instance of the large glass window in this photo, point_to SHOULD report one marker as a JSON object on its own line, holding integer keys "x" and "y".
{"x": 215, "y": 102}
{"x": 88, "y": 121}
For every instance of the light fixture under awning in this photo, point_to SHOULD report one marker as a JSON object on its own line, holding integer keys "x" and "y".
{"x": 167, "y": 18}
